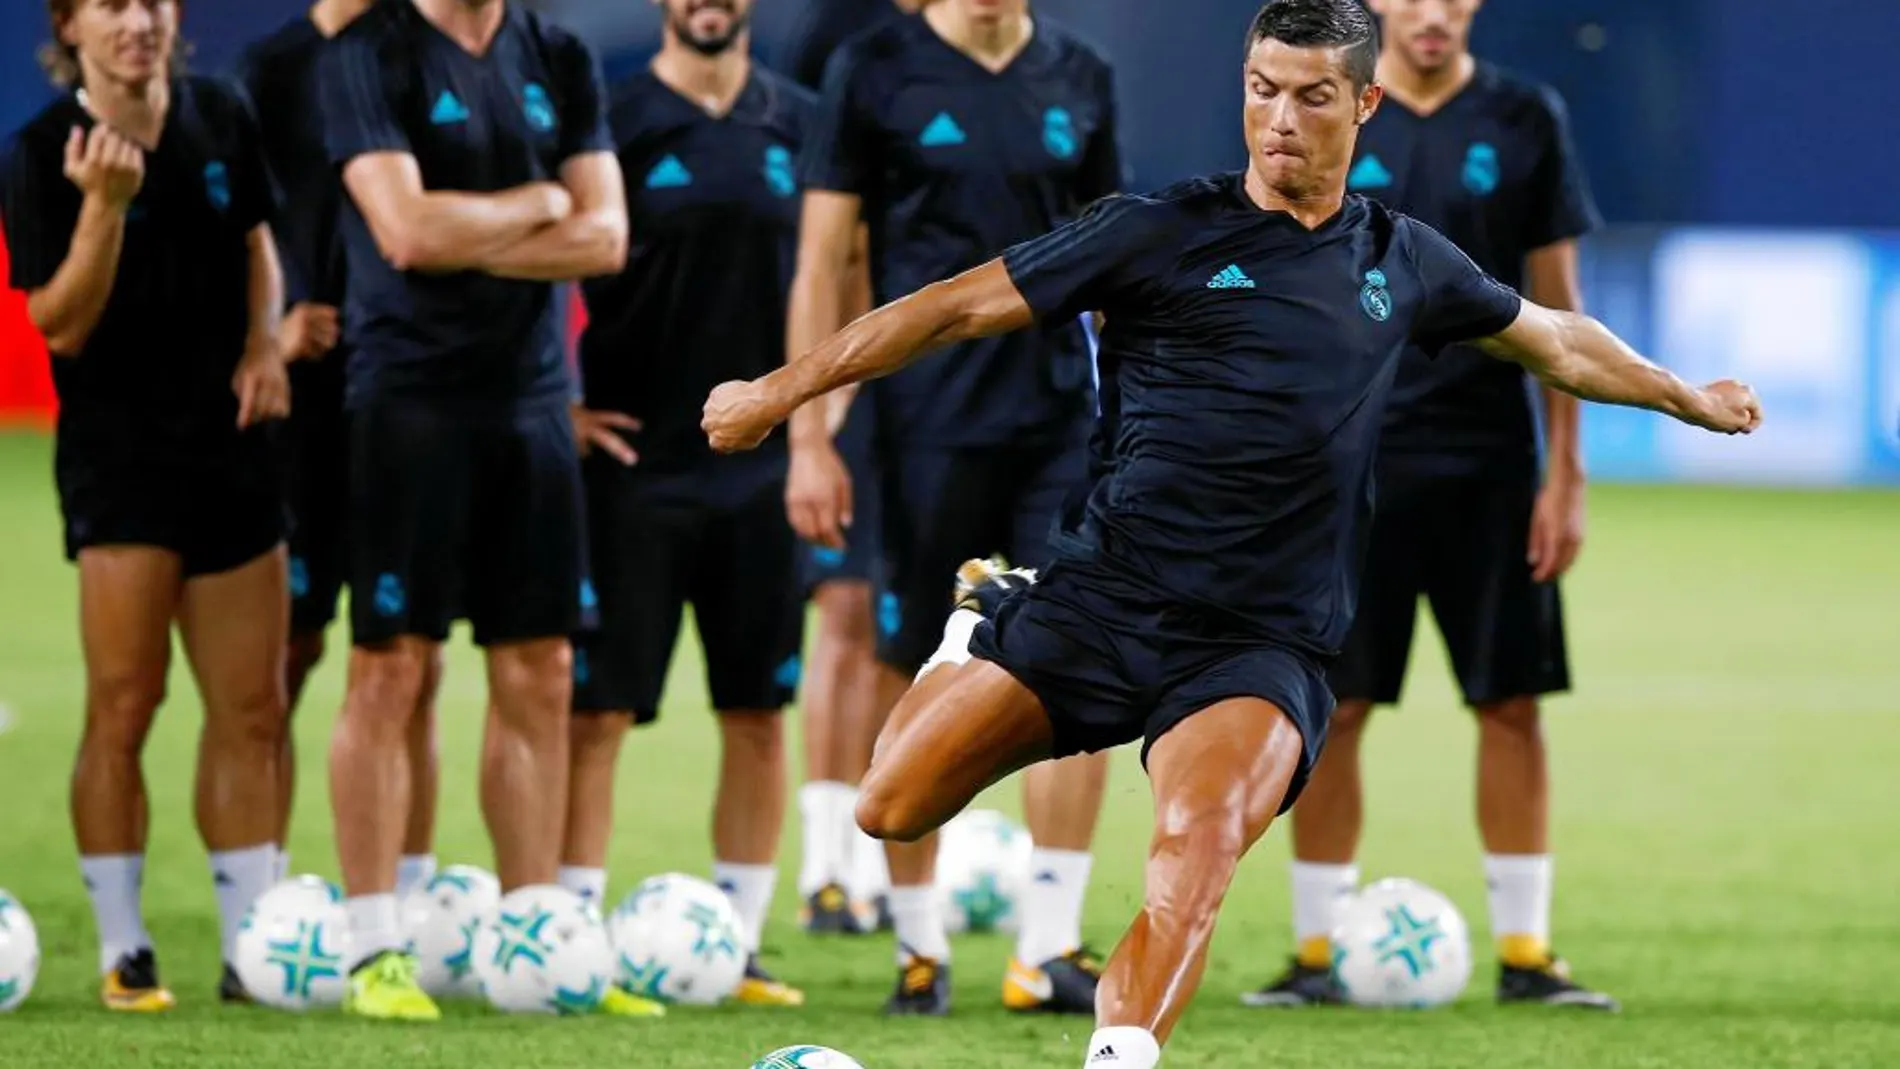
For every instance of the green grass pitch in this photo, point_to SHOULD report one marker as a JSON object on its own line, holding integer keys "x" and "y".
{"x": 1725, "y": 819}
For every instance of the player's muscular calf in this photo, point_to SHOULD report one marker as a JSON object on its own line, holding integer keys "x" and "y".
{"x": 525, "y": 758}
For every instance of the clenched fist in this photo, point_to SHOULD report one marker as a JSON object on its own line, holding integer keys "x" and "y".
{"x": 738, "y": 416}
{"x": 1728, "y": 407}
{"x": 105, "y": 164}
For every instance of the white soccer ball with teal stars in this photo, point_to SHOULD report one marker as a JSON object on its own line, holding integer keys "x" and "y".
{"x": 983, "y": 860}
{"x": 440, "y": 919}
{"x": 543, "y": 950}
{"x": 19, "y": 953}
{"x": 293, "y": 947}
{"x": 677, "y": 938}
{"x": 807, "y": 1058}
{"x": 1401, "y": 944}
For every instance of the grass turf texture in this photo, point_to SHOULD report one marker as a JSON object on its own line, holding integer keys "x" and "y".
{"x": 1724, "y": 820}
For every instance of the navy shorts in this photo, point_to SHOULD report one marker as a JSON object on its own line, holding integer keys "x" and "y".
{"x": 1459, "y": 542}
{"x": 317, "y": 493}
{"x": 945, "y": 506}
{"x": 858, "y": 561}
{"x": 456, "y": 514}
{"x": 216, "y": 509}
{"x": 653, "y": 552}
{"x": 1112, "y": 662}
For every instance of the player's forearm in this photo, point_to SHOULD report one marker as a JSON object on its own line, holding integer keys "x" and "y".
{"x": 445, "y": 231}
{"x": 819, "y": 299}
{"x": 1562, "y": 439}
{"x": 265, "y": 297}
{"x": 67, "y": 309}
{"x": 1585, "y": 359}
{"x": 872, "y": 347}
{"x": 584, "y": 245}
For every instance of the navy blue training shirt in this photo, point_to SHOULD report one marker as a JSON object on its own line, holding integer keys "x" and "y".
{"x": 713, "y": 206}
{"x": 155, "y": 374}
{"x": 279, "y": 74}
{"x": 822, "y": 26}
{"x": 393, "y": 82}
{"x": 1245, "y": 369}
{"x": 955, "y": 164}
{"x": 1494, "y": 170}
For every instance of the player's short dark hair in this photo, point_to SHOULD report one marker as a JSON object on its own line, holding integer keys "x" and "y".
{"x": 1344, "y": 24}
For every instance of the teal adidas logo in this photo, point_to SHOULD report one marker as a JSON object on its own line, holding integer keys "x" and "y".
{"x": 1369, "y": 173}
{"x": 943, "y": 130}
{"x": 1230, "y": 278}
{"x": 448, "y": 110}
{"x": 669, "y": 173}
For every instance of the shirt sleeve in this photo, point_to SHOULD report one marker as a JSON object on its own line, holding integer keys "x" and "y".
{"x": 35, "y": 245}
{"x": 1461, "y": 302}
{"x": 583, "y": 102}
{"x": 358, "y": 118}
{"x": 841, "y": 145}
{"x": 1102, "y": 173}
{"x": 253, "y": 195}
{"x": 1561, "y": 207}
{"x": 1082, "y": 265}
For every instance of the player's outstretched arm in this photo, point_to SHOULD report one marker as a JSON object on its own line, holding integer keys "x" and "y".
{"x": 979, "y": 303}
{"x": 441, "y": 231}
{"x": 1580, "y": 356}
{"x": 591, "y": 241}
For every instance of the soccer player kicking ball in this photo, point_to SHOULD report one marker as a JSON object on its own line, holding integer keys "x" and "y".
{"x": 279, "y": 74}
{"x": 1254, "y": 324}
{"x": 135, "y": 208}
{"x": 956, "y": 135}
{"x": 472, "y": 143}
{"x": 707, "y": 142}
{"x": 1464, "y": 516}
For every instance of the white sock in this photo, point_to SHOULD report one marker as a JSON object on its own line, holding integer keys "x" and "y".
{"x": 918, "y": 917}
{"x": 1122, "y": 1047}
{"x": 1318, "y": 892}
{"x": 826, "y": 808}
{"x": 870, "y": 870}
{"x": 239, "y": 876}
{"x": 1519, "y": 887}
{"x": 1052, "y": 905}
{"x": 281, "y": 870}
{"x": 113, "y": 881}
{"x": 589, "y": 884}
{"x": 955, "y": 648}
{"x": 375, "y": 925}
{"x": 412, "y": 871}
{"x": 750, "y": 887}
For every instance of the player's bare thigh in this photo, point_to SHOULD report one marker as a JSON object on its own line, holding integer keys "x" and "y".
{"x": 959, "y": 730}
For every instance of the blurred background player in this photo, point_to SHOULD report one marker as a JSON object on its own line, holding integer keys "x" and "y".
{"x": 707, "y": 142}
{"x": 1462, "y": 517}
{"x": 279, "y": 73}
{"x": 955, "y": 135}
{"x": 472, "y": 142}
{"x": 843, "y": 884}
{"x": 136, "y": 209}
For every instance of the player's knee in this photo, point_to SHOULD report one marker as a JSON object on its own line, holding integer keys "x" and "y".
{"x": 1518, "y": 716}
{"x": 120, "y": 707}
{"x": 885, "y": 813}
{"x": 251, "y": 714}
{"x": 754, "y": 737}
{"x": 531, "y": 677}
{"x": 844, "y": 615}
{"x": 1194, "y": 857}
{"x": 386, "y": 683}
{"x": 596, "y": 736}
{"x": 1349, "y": 718}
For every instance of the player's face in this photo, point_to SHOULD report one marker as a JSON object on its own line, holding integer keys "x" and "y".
{"x": 708, "y": 27}
{"x": 126, "y": 41}
{"x": 993, "y": 10}
{"x": 1302, "y": 116}
{"x": 1427, "y": 34}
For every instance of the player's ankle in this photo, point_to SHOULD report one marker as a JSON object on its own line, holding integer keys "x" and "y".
{"x": 1122, "y": 1047}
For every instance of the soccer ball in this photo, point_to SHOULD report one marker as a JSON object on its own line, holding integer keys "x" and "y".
{"x": 19, "y": 953}
{"x": 678, "y": 939}
{"x": 1401, "y": 944}
{"x": 440, "y": 918}
{"x": 983, "y": 862}
{"x": 806, "y": 1058}
{"x": 543, "y": 950}
{"x": 293, "y": 947}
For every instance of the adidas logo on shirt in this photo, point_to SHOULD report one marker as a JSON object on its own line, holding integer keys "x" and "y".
{"x": 1230, "y": 278}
